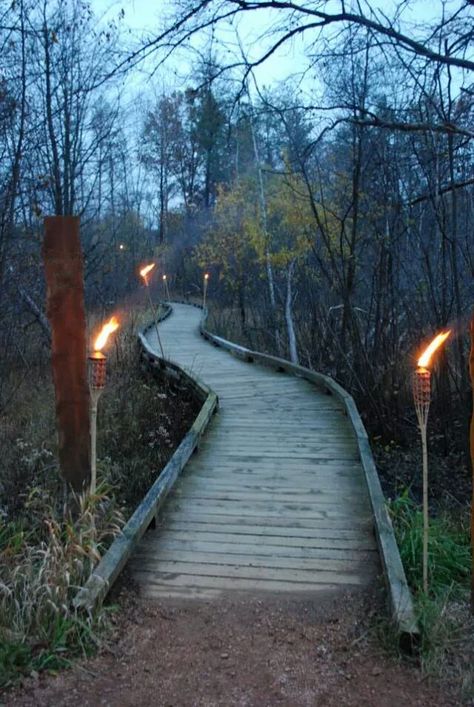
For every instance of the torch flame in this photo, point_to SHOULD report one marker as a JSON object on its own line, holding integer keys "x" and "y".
{"x": 164, "y": 277}
{"x": 206, "y": 276}
{"x": 425, "y": 358}
{"x": 105, "y": 332}
{"x": 144, "y": 271}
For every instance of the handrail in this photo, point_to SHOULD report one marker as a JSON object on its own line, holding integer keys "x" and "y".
{"x": 109, "y": 567}
{"x": 102, "y": 578}
{"x": 400, "y": 597}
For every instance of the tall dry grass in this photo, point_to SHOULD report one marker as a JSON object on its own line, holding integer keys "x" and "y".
{"x": 38, "y": 579}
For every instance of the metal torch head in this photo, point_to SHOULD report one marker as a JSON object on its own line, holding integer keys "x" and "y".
{"x": 97, "y": 370}
{"x": 422, "y": 387}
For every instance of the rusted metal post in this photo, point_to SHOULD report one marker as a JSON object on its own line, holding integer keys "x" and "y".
{"x": 63, "y": 265}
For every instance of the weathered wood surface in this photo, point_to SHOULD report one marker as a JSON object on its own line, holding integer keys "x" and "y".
{"x": 106, "y": 572}
{"x": 399, "y": 595}
{"x": 276, "y": 498}
{"x": 63, "y": 264}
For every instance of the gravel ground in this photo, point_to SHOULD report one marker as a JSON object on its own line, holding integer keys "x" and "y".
{"x": 260, "y": 651}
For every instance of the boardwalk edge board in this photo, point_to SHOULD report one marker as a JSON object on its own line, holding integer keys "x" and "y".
{"x": 399, "y": 594}
{"x": 109, "y": 567}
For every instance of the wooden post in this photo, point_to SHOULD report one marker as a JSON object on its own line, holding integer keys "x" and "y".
{"x": 63, "y": 264}
{"x": 471, "y": 369}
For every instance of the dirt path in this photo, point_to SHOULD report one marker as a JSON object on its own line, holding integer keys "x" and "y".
{"x": 258, "y": 652}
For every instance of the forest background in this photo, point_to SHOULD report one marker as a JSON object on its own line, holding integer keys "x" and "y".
{"x": 332, "y": 209}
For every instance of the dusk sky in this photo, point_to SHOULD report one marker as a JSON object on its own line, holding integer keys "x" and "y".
{"x": 144, "y": 18}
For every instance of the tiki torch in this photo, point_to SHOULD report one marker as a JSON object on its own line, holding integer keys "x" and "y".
{"x": 97, "y": 376}
{"x": 422, "y": 398}
{"x": 165, "y": 285}
{"x": 144, "y": 272}
{"x": 204, "y": 292}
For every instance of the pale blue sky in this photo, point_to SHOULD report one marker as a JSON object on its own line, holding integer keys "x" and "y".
{"x": 143, "y": 21}
{"x": 144, "y": 18}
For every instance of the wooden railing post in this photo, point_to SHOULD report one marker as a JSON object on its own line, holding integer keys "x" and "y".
{"x": 66, "y": 313}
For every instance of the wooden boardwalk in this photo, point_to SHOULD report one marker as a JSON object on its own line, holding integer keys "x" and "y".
{"x": 275, "y": 500}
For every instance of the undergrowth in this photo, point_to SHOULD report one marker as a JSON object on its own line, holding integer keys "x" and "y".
{"x": 39, "y": 575}
{"x": 49, "y": 546}
{"x": 448, "y": 549}
{"x": 447, "y": 628}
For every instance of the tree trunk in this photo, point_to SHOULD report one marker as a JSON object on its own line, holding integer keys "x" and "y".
{"x": 55, "y": 160}
{"x": 263, "y": 207}
{"x": 290, "y": 328}
{"x": 33, "y": 307}
{"x": 471, "y": 368}
{"x": 7, "y": 218}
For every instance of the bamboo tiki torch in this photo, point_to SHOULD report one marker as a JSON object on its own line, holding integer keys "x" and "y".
{"x": 144, "y": 272}
{"x": 204, "y": 293}
{"x": 422, "y": 398}
{"x": 97, "y": 376}
{"x": 165, "y": 284}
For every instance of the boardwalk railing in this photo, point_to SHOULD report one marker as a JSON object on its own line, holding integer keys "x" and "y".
{"x": 109, "y": 567}
{"x": 112, "y": 563}
{"x": 400, "y": 598}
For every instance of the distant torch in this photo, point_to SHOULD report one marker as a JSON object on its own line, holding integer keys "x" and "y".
{"x": 165, "y": 285}
{"x": 204, "y": 292}
{"x": 144, "y": 272}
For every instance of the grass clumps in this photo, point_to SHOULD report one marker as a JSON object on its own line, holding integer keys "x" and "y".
{"x": 447, "y": 628}
{"x": 40, "y": 571}
{"x": 449, "y": 547}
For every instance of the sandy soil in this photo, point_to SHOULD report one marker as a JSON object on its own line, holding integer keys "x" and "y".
{"x": 242, "y": 651}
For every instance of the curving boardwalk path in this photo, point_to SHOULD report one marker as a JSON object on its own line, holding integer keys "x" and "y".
{"x": 275, "y": 500}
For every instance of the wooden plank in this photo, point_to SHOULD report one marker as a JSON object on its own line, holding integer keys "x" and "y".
{"x": 272, "y": 546}
{"x": 268, "y": 545}
{"x": 231, "y": 477}
{"x": 163, "y": 558}
{"x": 211, "y": 588}
{"x": 255, "y": 456}
{"x": 269, "y": 449}
{"x": 269, "y": 509}
{"x": 287, "y": 501}
{"x": 315, "y": 466}
{"x": 281, "y": 568}
{"x": 345, "y": 488}
{"x": 335, "y": 537}
{"x": 238, "y": 581}
{"x": 342, "y": 490}
{"x": 298, "y": 434}
{"x": 176, "y": 570}
{"x": 326, "y": 430}
{"x": 203, "y": 515}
